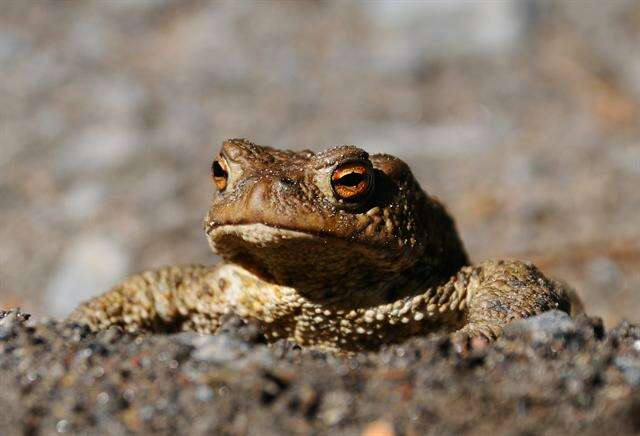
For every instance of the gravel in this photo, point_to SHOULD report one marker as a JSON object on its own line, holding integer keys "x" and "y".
{"x": 60, "y": 378}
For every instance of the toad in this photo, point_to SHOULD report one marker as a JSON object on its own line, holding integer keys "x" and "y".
{"x": 338, "y": 250}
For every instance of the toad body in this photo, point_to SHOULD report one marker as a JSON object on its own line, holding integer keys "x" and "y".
{"x": 338, "y": 250}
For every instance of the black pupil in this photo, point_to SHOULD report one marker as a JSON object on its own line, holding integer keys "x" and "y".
{"x": 351, "y": 179}
{"x": 218, "y": 171}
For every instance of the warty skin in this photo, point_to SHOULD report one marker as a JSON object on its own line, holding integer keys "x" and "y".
{"x": 339, "y": 250}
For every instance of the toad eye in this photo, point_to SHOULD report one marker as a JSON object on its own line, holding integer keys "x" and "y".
{"x": 351, "y": 181}
{"x": 220, "y": 173}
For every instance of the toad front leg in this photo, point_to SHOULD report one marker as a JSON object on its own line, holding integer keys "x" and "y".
{"x": 499, "y": 292}
{"x": 173, "y": 298}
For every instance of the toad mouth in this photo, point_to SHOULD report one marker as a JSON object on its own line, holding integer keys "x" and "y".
{"x": 257, "y": 232}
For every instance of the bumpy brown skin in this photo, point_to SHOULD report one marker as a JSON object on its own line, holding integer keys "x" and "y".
{"x": 327, "y": 273}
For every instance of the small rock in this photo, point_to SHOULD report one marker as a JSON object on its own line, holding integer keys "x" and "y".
{"x": 13, "y": 315}
{"x": 62, "y": 426}
{"x": 90, "y": 266}
{"x": 221, "y": 348}
{"x": 82, "y": 201}
{"x": 335, "y": 408}
{"x": 9, "y": 320}
{"x": 630, "y": 368}
{"x": 542, "y": 328}
{"x": 378, "y": 428}
{"x": 98, "y": 148}
{"x": 204, "y": 393}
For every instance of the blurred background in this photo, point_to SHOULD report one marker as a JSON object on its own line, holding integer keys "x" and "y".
{"x": 522, "y": 116}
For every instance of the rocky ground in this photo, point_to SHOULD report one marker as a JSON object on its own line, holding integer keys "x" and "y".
{"x": 548, "y": 375}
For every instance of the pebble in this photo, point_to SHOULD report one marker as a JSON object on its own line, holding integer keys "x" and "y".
{"x": 630, "y": 368}
{"x": 379, "y": 428}
{"x": 9, "y": 320}
{"x": 204, "y": 393}
{"x": 542, "y": 328}
{"x": 62, "y": 426}
{"x": 90, "y": 266}
{"x": 98, "y": 148}
{"x": 82, "y": 201}
{"x": 220, "y": 349}
{"x": 335, "y": 408}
